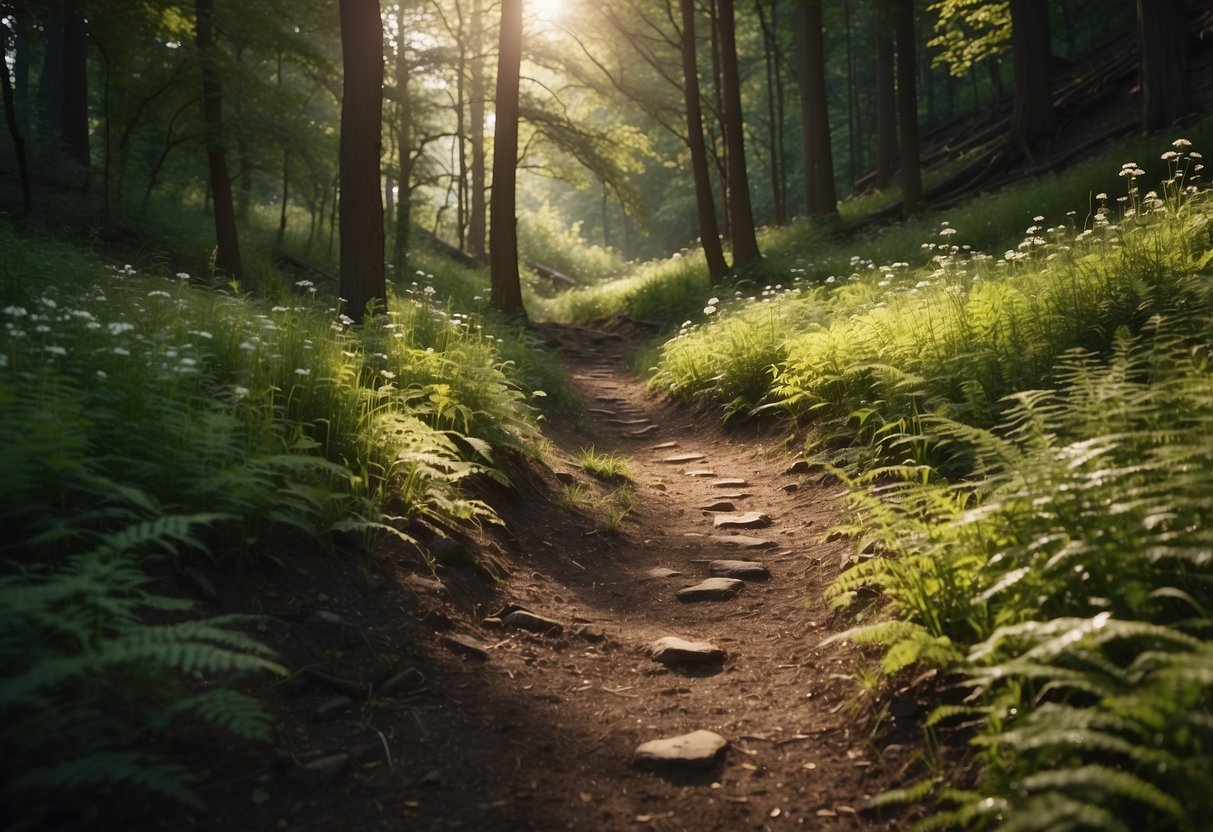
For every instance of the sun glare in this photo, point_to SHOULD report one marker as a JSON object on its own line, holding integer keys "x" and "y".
{"x": 547, "y": 11}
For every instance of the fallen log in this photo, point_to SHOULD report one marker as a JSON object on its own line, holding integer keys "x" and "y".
{"x": 558, "y": 279}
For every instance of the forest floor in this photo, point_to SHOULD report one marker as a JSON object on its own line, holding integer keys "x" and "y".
{"x": 413, "y": 706}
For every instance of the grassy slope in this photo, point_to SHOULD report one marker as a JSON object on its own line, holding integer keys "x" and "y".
{"x": 145, "y": 413}
{"x": 1028, "y": 440}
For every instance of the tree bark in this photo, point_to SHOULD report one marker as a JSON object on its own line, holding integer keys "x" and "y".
{"x": 227, "y": 258}
{"x": 74, "y": 118}
{"x": 907, "y": 106}
{"x": 1166, "y": 87}
{"x": 478, "y": 212}
{"x": 886, "y": 109}
{"x": 506, "y": 284}
{"x": 709, "y": 231}
{"x": 14, "y": 128}
{"x": 404, "y": 151}
{"x": 770, "y": 59}
{"x": 745, "y": 243}
{"x": 1032, "y": 119}
{"x": 361, "y": 219}
{"x": 820, "y": 195}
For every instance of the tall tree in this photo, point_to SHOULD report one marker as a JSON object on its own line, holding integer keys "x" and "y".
{"x": 506, "y": 285}
{"x": 1166, "y": 88}
{"x": 361, "y": 218}
{"x": 74, "y": 118}
{"x": 227, "y": 258}
{"x": 709, "y": 231}
{"x": 1032, "y": 119}
{"x": 478, "y": 210}
{"x": 886, "y": 109}
{"x": 404, "y": 148}
{"x": 10, "y": 116}
{"x": 820, "y": 196}
{"x": 771, "y": 64}
{"x": 907, "y": 105}
{"x": 745, "y": 243}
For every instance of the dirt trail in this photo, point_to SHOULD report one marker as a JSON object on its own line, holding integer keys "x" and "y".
{"x": 500, "y": 728}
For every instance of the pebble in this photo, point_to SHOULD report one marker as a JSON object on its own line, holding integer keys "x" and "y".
{"x": 746, "y": 570}
{"x": 713, "y": 589}
{"x": 466, "y": 645}
{"x": 698, "y": 749}
{"x": 741, "y": 520}
{"x": 742, "y": 541}
{"x": 679, "y": 459}
{"x": 534, "y": 622}
{"x": 319, "y": 772}
{"x": 674, "y": 650}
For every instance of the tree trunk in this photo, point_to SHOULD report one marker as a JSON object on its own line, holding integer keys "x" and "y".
{"x": 461, "y": 138}
{"x": 50, "y": 84}
{"x": 478, "y": 213}
{"x": 1166, "y": 88}
{"x": 720, "y": 145}
{"x": 907, "y": 106}
{"x": 74, "y": 118}
{"x": 886, "y": 108}
{"x": 286, "y": 182}
{"x": 14, "y": 128}
{"x": 745, "y": 243}
{"x": 362, "y": 279}
{"x": 404, "y": 151}
{"x": 709, "y": 231}
{"x": 227, "y": 258}
{"x": 820, "y": 196}
{"x": 770, "y": 59}
{"x": 503, "y": 234}
{"x": 1032, "y": 119}
{"x": 606, "y": 218}
{"x": 855, "y": 149}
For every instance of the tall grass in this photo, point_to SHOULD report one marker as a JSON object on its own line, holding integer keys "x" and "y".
{"x": 148, "y": 414}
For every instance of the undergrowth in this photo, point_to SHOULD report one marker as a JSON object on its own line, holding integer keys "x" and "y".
{"x": 148, "y": 419}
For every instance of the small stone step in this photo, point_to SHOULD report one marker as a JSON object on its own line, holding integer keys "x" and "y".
{"x": 637, "y": 434}
{"x": 700, "y": 472}
{"x": 698, "y": 749}
{"x": 730, "y": 483}
{"x": 742, "y": 520}
{"x": 661, "y": 446}
{"x": 532, "y": 621}
{"x": 598, "y": 411}
{"x": 743, "y": 570}
{"x": 713, "y": 589}
{"x": 717, "y": 505}
{"x": 662, "y": 572}
{"x": 681, "y": 459}
{"x": 673, "y": 650}
{"x": 627, "y": 423}
{"x": 742, "y": 541}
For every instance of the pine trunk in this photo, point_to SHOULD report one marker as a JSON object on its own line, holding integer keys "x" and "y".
{"x": 1166, "y": 88}
{"x": 503, "y": 233}
{"x": 907, "y": 106}
{"x": 361, "y": 207}
{"x": 709, "y": 232}
{"x": 478, "y": 213}
{"x": 1032, "y": 120}
{"x": 227, "y": 257}
{"x": 820, "y": 196}
{"x": 745, "y": 243}
{"x": 886, "y": 110}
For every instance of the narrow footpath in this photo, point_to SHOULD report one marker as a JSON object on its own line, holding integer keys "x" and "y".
{"x": 664, "y": 672}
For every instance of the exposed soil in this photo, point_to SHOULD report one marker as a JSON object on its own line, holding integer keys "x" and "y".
{"x": 539, "y": 731}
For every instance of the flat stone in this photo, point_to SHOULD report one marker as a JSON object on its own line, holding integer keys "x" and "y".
{"x": 674, "y": 650}
{"x": 700, "y": 472}
{"x": 598, "y": 411}
{"x": 591, "y": 633}
{"x": 713, "y": 589}
{"x": 642, "y": 432}
{"x": 790, "y": 487}
{"x": 698, "y": 749}
{"x": 607, "y": 399}
{"x": 532, "y": 621}
{"x": 735, "y": 495}
{"x": 745, "y": 570}
{"x": 319, "y": 772}
{"x": 742, "y": 541}
{"x": 345, "y": 686}
{"x": 330, "y": 709}
{"x": 800, "y": 466}
{"x": 408, "y": 679}
{"x": 717, "y": 505}
{"x": 627, "y": 423}
{"x": 741, "y": 520}
{"x": 679, "y": 459}
{"x": 466, "y": 645}
{"x": 565, "y": 477}
{"x": 730, "y": 483}
{"x": 661, "y": 446}
{"x": 661, "y": 572}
